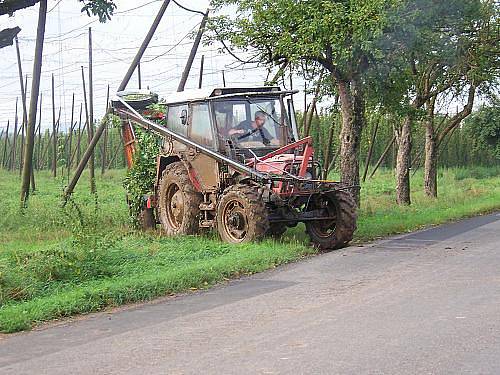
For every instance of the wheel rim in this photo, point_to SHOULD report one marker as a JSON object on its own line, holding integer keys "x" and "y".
{"x": 235, "y": 221}
{"x": 174, "y": 203}
{"x": 325, "y": 228}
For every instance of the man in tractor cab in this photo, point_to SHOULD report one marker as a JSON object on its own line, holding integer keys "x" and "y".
{"x": 252, "y": 130}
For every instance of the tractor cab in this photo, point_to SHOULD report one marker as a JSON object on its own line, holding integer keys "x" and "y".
{"x": 238, "y": 122}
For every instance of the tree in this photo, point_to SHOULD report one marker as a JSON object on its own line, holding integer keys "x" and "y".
{"x": 474, "y": 61}
{"x": 483, "y": 128}
{"x": 431, "y": 50}
{"x": 340, "y": 37}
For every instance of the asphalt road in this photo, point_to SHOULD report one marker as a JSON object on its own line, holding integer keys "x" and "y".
{"x": 423, "y": 303}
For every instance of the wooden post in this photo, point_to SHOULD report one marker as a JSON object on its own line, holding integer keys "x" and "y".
{"x": 138, "y": 75}
{"x": 382, "y": 157}
{"x": 54, "y": 132}
{"x": 24, "y": 125}
{"x": 105, "y": 139}
{"x": 200, "y": 79}
{"x": 86, "y": 156}
{"x": 123, "y": 84}
{"x": 91, "y": 116}
{"x": 87, "y": 123}
{"x": 79, "y": 139}
{"x": 12, "y": 163}
{"x": 35, "y": 88}
{"x": 4, "y": 158}
{"x": 118, "y": 148}
{"x": 192, "y": 54}
{"x": 23, "y": 98}
{"x": 370, "y": 151}
{"x": 72, "y": 126}
{"x": 143, "y": 46}
{"x": 39, "y": 146}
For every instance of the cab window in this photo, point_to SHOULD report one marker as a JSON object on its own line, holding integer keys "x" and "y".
{"x": 201, "y": 129}
{"x": 177, "y": 118}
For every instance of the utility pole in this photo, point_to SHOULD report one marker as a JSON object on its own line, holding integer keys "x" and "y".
{"x": 35, "y": 88}
{"x": 192, "y": 54}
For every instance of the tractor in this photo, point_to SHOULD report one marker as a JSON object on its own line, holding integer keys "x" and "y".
{"x": 231, "y": 159}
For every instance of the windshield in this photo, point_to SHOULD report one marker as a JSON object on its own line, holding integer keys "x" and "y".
{"x": 252, "y": 122}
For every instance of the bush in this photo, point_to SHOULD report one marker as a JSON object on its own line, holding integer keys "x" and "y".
{"x": 477, "y": 173}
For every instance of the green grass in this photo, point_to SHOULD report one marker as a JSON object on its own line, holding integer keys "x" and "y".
{"x": 57, "y": 262}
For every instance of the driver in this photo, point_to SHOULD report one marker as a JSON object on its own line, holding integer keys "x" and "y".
{"x": 254, "y": 130}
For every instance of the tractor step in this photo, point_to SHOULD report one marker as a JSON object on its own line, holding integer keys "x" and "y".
{"x": 207, "y": 223}
{"x": 207, "y": 206}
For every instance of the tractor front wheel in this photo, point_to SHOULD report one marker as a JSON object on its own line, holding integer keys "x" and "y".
{"x": 338, "y": 232}
{"x": 241, "y": 215}
{"x": 178, "y": 203}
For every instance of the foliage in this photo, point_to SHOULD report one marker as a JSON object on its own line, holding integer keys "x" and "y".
{"x": 484, "y": 129}
{"x": 336, "y": 34}
{"x": 101, "y": 8}
{"x": 141, "y": 176}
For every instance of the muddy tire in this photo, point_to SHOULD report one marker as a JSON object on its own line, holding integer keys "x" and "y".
{"x": 276, "y": 230}
{"x": 178, "y": 202}
{"x": 241, "y": 215}
{"x": 329, "y": 235}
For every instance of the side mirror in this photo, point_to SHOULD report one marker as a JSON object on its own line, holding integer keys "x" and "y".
{"x": 184, "y": 117}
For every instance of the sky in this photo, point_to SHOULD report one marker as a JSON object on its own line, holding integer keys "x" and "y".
{"x": 115, "y": 43}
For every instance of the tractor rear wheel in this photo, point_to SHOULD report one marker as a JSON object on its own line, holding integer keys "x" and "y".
{"x": 336, "y": 233}
{"x": 241, "y": 215}
{"x": 179, "y": 202}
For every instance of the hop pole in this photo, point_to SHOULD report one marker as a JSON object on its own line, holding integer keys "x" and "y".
{"x": 90, "y": 149}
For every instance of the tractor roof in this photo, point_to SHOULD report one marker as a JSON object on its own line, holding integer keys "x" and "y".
{"x": 206, "y": 94}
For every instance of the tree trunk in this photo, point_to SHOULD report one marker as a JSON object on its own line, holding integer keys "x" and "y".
{"x": 352, "y": 107}
{"x": 430, "y": 163}
{"x": 403, "y": 138}
{"x": 430, "y": 166}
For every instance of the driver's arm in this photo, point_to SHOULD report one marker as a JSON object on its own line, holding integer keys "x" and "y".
{"x": 241, "y": 128}
{"x": 235, "y": 131}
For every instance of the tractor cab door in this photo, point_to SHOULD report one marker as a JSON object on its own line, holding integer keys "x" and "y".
{"x": 200, "y": 130}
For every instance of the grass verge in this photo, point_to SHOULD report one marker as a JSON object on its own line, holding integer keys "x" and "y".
{"x": 59, "y": 262}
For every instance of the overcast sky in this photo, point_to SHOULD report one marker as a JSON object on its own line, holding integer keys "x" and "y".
{"x": 114, "y": 44}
